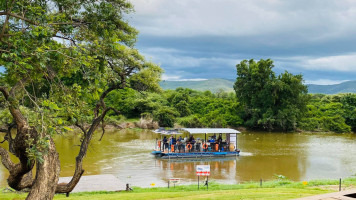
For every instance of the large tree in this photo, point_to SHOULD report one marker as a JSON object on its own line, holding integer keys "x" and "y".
{"x": 270, "y": 101}
{"x": 60, "y": 59}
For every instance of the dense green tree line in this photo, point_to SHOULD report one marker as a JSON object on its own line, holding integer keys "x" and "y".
{"x": 262, "y": 101}
{"x": 336, "y": 113}
{"x": 187, "y": 107}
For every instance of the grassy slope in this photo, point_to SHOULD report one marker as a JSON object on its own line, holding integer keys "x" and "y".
{"x": 345, "y": 87}
{"x": 212, "y": 84}
{"x": 270, "y": 190}
{"x": 260, "y": 193}
{"x": 227, "y": 85}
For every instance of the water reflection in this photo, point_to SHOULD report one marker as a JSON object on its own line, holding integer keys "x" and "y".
{"x": 126, "y": 154}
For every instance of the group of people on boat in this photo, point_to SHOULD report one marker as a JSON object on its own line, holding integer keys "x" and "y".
{"x": 191, "y": 144}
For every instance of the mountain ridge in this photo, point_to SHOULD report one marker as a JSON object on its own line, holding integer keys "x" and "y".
{"x": 217, "y": 84}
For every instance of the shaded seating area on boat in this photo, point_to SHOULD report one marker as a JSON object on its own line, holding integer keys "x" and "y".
{"x": 215, "y": 140}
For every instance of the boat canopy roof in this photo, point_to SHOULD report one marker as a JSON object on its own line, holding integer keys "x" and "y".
{"x": 163, "y": 131}
{"x": 210, "y": 130}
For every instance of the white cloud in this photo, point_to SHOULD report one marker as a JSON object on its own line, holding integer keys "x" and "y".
{"x": 314, "y": 20}
{"x": 166, "y": 77}
{"x": 324, "y": 82}
{"x": 176, "y": 59}
{"x": 313, "y": 38}
{"x": 333, "y": 63}
{"x": 338, "y": 63}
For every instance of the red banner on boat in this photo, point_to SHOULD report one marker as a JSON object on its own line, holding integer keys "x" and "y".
{"x": 203, "y": 170}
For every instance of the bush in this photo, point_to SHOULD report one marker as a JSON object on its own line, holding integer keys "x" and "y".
{"x": 191, "y": 121}
{"x": 165, "y": 116}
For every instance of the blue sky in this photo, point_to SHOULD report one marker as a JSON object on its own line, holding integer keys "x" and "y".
{"x": 202, "y": 39}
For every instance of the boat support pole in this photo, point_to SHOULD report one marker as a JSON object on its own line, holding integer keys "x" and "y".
{"x": 205, "y": 142}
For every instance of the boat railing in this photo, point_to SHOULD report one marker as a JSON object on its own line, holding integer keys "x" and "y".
{"x": 184, "y": 147}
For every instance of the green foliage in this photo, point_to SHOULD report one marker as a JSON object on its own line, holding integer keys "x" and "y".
{"x": 326, "y": 113}
{"x": 212, "y": 85}
{"x": 195, "y": 109}
{"x": 191, "y": 121}
{"x": 349, "y": 105}
{"x": 149, "y": 102}
{"x": 165, "y": 116}
{"x": 123, "y": 100}
{"x": 64, "y": 58}
{"x": 270, "y": 102}
{"x": 147, "y": 79}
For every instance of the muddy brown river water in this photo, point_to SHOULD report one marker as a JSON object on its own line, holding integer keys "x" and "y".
{"x": 298, "y": 156}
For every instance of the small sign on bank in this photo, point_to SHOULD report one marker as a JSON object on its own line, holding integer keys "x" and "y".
{"x": 174, "y": 181}
{"x": 203, "y": 170}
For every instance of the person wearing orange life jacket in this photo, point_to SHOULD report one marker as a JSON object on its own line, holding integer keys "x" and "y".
{"x": 219, "y": 141}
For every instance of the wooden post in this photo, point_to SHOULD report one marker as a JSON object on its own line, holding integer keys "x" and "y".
{"x": 207, "y": 182}
{"x": 168, "y": 184}
{"x": 198, "y": 182}
{"x": 261, "y": 182}
{"x": 340, "y": 185}
{"x": 128, "y": 187}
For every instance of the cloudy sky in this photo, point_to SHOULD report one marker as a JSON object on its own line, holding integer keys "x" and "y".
{"x": 202, "y": 39}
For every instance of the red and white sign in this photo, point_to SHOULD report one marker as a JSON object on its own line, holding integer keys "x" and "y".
{"x": 203, "y": 170}
{"x": 174, "y": 180}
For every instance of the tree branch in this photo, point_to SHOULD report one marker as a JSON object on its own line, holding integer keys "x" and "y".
{"x": 81, "y": 127}
{"x": 103, "y": 129}
{"x": 6, "y": 20}
{"x": 66, "y": 188}
{"x": 3, "y": 50}
{"x": 66, "y": 38}
{"x": 4, "y": 91}
{"x": 69, "y": 23}
{"x": 15, "y": 111}
{"x": 5, "y": 159}
{"x": 8, "y": 13}
{"x": 101, "y": 103}
{"x": 19, "y": 84}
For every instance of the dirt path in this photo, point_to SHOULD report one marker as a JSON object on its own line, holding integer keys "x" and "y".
{"x": 332, "y": 196}
{"x": 105, "y": 182}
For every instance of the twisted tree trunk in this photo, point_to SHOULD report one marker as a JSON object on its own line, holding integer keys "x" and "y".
{"x": 44, "y": 186}
{"x": 47, "y": 172}
{"x": 47, "y": 175}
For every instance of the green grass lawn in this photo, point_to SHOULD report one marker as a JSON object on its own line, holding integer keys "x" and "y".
{"x": 280, "y": 189}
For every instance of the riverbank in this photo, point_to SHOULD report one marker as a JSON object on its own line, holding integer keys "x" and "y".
{"x": 270, "y": 190}
{"x": 150, "y": 124}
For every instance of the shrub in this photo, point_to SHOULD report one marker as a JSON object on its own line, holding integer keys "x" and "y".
{"x": 165, "y": 116}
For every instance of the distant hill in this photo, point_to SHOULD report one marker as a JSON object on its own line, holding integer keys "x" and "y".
{"x": 227, "y": 85}
{"x": 211, "y": 84}
{"x": 345, "y": 87}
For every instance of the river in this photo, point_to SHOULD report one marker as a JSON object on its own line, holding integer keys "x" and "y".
{"x": 297, "y": 156}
